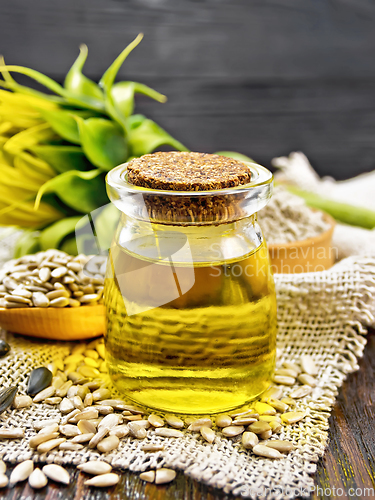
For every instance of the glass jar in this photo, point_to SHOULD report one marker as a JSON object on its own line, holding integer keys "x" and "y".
{"x": 189, "y": 295}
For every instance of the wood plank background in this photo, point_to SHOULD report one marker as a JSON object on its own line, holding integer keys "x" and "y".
{"x": 263, "y": 77}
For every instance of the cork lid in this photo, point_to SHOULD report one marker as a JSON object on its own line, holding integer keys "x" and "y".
{"x": 180, "y": 171}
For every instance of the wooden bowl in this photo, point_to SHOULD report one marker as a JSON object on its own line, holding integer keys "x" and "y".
{"x": 70, "y": 323}
{"x": 310, "y": 255}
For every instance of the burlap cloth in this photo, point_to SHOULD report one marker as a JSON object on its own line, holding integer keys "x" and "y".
{"x": 322, "y": 314}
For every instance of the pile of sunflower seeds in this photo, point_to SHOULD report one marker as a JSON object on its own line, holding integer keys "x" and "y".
{"x": 287, "y": 218}
{"x": 91, "y": 417}
{"x": 52, "y": 279}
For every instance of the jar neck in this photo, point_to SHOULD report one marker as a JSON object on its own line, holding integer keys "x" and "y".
{"x": 192, "y": 243}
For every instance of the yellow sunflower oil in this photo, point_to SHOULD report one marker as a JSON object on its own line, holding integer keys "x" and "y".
{"x": 207, "y": 346}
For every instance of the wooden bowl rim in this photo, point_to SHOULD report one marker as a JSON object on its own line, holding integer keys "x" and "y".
{"x": 50, "y": 309}
{"x": 309, "y": 241}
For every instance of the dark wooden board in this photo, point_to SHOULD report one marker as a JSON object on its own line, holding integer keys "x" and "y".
{"x": 348, "y": 464}
{"x": 263, "y": 77}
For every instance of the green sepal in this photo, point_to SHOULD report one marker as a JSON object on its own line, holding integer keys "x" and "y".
{"x": 53, "y": 235}
{"x": 108, "y": 79}
{"x": 123, "y": 95}
{"x": 82, "y": 191}
{"x": 63, "y": 123}
{"x": 27, "y": 243}
{"x": 63, "y": 158}
{"x": 103, "y": 142}
{"x": 77, "y": 83}
{"x": 148, "y": 136}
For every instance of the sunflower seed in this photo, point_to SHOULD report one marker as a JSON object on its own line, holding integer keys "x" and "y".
{"x": 155, "y": 420}
{"x": 308, "y": 365}
{"x": 4, "y": 348}
{"x": 87, "y": 414}
{"x": 39, "y": 379}
{"x": 208, "y": 434}
{"x": 292, "y": 366}
{"x": 46, "y": 393}
{"x": 306, "y": 379}
{"x": 41, "y": 424}
{"x": 57, "y": 473}
{"x": 7, "y": 396}
{"x": 259, "y": 427}
{"x": 86, "y": 427}
{"x": 275, "y": 426}
{"x": 21, "y": 472}
{"x": 22, "y": 402}
{"x": 88, "y": 371}
{"x": 249, "y": 440}
{"x": 269, "y": 418}
{"x": 301, "y": 392}
{"x": 165, "y": 432}
{"x": 88, "y": 400}
{"x": 289, "y": 402}
{"x": 277, "y": 404}
{"x": 137, "y": 431}
{"x": 66, "y": 406}
{"x": 90, "y": 297}
{"x": 282, "y": 446}
{"x": 233, "y": 430}
{"x": 198, "y": 423}
{"x": 152, "y": 447}
{"x": 37, "y": 479}
{"x": 52, "y": 401}
{"x": 49, "y": 445}
{"x": 3, "y": 480}
{"x": 69, "y": 446}
{"x": 103, "y": 480}
{"x": 120, "y": 431}
{"x": 78, "y": 403}
{"x": 17, "y": 299}
{"x": 265, "y": 435}
{"x": 44, "y": 274}
{"x": 243, "y": 421}
{"x": 69, "y": 430}
{"x": 59, "y": 272}
{"x": 95, "y": 467}
{"x": 105, "y": 410}
{"x": 264, "y": 451}
{"x": 286, "y": 372}
{"x": 148, "y": 476}
{"x": 108, "y": 444}
{"x": 83, "y": 438}
{"x": 163, "y": 476}
{"x": 223, "y": 421}
{"x": 3, "y": 467}
{"x": 12, "y": 433}
{"x": 292, "y": 417}
{"x": 14, "y": 305}
{"x": 101, "y": 394}
{"x": 99, "y": 436}
{"x": 280, "y": 379}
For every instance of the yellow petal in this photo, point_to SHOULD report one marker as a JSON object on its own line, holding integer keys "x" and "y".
{"x": 30, "y": 137}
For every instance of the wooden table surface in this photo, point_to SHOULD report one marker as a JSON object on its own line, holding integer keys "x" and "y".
{"x": 347, "y": 469}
